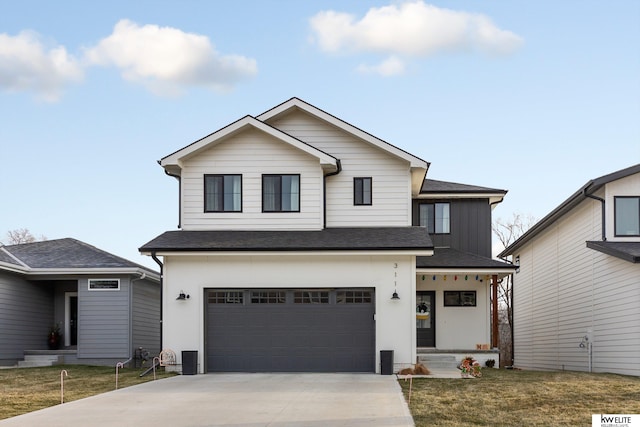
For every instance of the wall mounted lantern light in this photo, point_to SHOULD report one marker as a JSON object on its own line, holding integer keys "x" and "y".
{"x": 182, "y": 296}
{"x": 395, "y": 295}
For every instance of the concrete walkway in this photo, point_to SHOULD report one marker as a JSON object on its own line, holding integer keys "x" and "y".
{"x": 241, "y": 400}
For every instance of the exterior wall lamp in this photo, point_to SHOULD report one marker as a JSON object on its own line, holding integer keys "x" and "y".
{"x": 395, "y": 295}
{"x": 182, "y": 296}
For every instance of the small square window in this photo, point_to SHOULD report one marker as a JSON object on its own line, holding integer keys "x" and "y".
{"x": 627, "y": 216}
{"x": 362, "y": 191}
{"x": 223, "y": 193}
{"x": 436, "y": 217}
{"x": 280, "y": 193}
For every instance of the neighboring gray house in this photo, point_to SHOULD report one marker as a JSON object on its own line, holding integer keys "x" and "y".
{"x": 576, "y": 295}
{"x": 105, "y": 306}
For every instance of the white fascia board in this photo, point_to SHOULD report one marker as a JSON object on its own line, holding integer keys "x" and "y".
{"x": 424, "y": 252}
{"x": 491, "y": 196}
{"x": 173, "y": 161}
{"x": 414, "y": 162}
{"x": 462, "y": 271}
{"x": 13, "y": 268}
{"x": 92, "y": 271}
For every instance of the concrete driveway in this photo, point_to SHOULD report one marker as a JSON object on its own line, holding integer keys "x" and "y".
{"x": 244, "y": 400}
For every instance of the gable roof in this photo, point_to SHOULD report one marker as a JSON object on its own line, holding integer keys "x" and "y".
{"x": 434, "y": 189}
{"x": 585, "y": 191}
{"x": 414, "y": 239}
{"x": 67, "y": 256}
{"x": 172, "y": 161}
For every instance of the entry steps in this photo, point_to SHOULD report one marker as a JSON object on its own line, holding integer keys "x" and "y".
{"x": 438, "y": 362}
{"x": 35, "y": 360}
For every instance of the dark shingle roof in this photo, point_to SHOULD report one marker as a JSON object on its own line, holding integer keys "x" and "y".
{"x": 67, "y": 253}
{"x": 330, "y": 239}
{"x": 433, "y": 186}
{"x": 451, "y": 258}
{"x": 4, "y": 257}
{"x": 628, "y": 251}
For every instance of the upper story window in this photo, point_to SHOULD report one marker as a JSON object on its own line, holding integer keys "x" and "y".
{"x": 280, "y": 193}
{"x": 362, "y": 191}
{"x": 627, "y": 216}
{"x": 435, "y": 216}
{"x": 223, "y": 193}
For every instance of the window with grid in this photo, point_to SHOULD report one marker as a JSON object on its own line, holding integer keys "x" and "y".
{"x": 362, "y": 191}
{"x": 223, "y": 193}
{"x": 353, "y": 297}
{"x": 280, "y": 193}
{"x": 225, "y": 297}
{"x": 311, "y": 297}
{"x": 268, "y": 297}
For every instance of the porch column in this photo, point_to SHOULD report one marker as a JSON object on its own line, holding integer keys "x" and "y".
{"x": 495, "y": 342}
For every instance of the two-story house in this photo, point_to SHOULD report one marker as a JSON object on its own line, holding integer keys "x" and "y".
{"x": 307, "y": 244}
{"x": 577, "y": 290}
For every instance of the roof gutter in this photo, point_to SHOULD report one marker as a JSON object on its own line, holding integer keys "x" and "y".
{"x": 155, "y": 258}
{"x": 324, "y": 192}
{"x": 602, "y": 204}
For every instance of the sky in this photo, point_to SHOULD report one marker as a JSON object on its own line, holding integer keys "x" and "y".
{"x": 536, "y": 98}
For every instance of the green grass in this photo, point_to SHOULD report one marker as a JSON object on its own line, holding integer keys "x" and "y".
{"x": 29, "y": 389}
{"x": 521, "y": 398}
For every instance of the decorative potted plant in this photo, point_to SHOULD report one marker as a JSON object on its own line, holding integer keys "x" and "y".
{"x": 55, "y": 338}
{"x": 470, "y": 368}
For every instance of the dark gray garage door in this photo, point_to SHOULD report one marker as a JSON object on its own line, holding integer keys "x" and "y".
{"x": 290, "y": 330}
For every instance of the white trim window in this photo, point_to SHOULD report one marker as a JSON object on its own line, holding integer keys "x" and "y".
{"x": 627, "y": 216}
{"x": 104, "y": 285}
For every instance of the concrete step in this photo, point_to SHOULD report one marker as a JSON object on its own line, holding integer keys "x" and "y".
{"x": 438, "y": 361}
{"x": 32, "y": 360}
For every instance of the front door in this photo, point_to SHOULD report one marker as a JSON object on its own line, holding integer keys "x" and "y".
{"x": 426, "y": 318}
{"x": 71, "y": 319}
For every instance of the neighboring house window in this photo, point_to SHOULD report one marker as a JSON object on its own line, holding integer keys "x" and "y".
{"x": 280, "y": 193}
{"x": 435, "y": 216}
{"x": 362, "y": 191}
{"x": 627, "y": 215}
{"x": 223, "y": 193}
{"x": 459, "y": 298}
{"x": 104, "y": 284}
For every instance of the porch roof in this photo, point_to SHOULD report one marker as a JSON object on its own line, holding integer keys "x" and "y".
{"x": 329, "y": 239}
{"x": 628, "y": 251}
{"x": 452, "y": 259}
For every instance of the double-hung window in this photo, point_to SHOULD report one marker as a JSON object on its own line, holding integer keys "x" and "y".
{"x": 435, "y": 216}
{"x": 280, "y": 193}
{"x": 627, "y": 216}
{"x": 223, "y": 193}
{"x": 362, "y": 191}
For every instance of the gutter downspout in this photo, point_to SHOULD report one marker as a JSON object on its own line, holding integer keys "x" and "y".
{"x": 324, "y": 192}
{"x": 602, "y": 202}
{"x": 155, "y": 258}
{"x": 179, "y": 178}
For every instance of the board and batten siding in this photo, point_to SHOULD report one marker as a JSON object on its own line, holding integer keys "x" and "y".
{"x": 104, "y": 321}
{"x": 391, "y": 179}
{"x": 565, "y": 290}
{"x": 146, "y": 316}
{"x": 26, "y": 313}
{"x": 252, "y": 153}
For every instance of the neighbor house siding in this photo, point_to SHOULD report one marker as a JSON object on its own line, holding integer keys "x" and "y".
{"x": 146, "y": 316}
{"x": 252, "y": 153}
{"x": 26, "y": 313}
{"x": 104, "y": 320}
{"x": 391, "y": 180}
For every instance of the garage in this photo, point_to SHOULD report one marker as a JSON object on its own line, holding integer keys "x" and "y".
{"x": 290, "y": 330}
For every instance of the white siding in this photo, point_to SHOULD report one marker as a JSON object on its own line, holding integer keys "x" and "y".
{"x": 183, "y": 325}
{"x": 391, "y": 178}
{"x": 564, "y": 290}
{"x": 629, "y": 186}
{"x": 252, "y": 153}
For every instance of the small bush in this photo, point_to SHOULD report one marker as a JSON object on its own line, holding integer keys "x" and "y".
{"x": 490, "y": 363}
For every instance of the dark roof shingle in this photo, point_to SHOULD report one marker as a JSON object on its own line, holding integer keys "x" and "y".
{"x": 451, "y": 258}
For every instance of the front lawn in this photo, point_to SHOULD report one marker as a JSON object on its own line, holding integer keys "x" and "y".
{"x": 29, "y": 389}
{"x": 521, "y": 398}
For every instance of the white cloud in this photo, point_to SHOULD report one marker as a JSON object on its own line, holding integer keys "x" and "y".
{"x": 27, "y": 65}
{"x": 167, "y": 60}
{"x": 389, "y": 67}
{"x": 411, "y": 29}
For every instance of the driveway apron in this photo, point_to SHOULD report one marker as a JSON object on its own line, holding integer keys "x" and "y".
{"x": 242, "y": 400}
